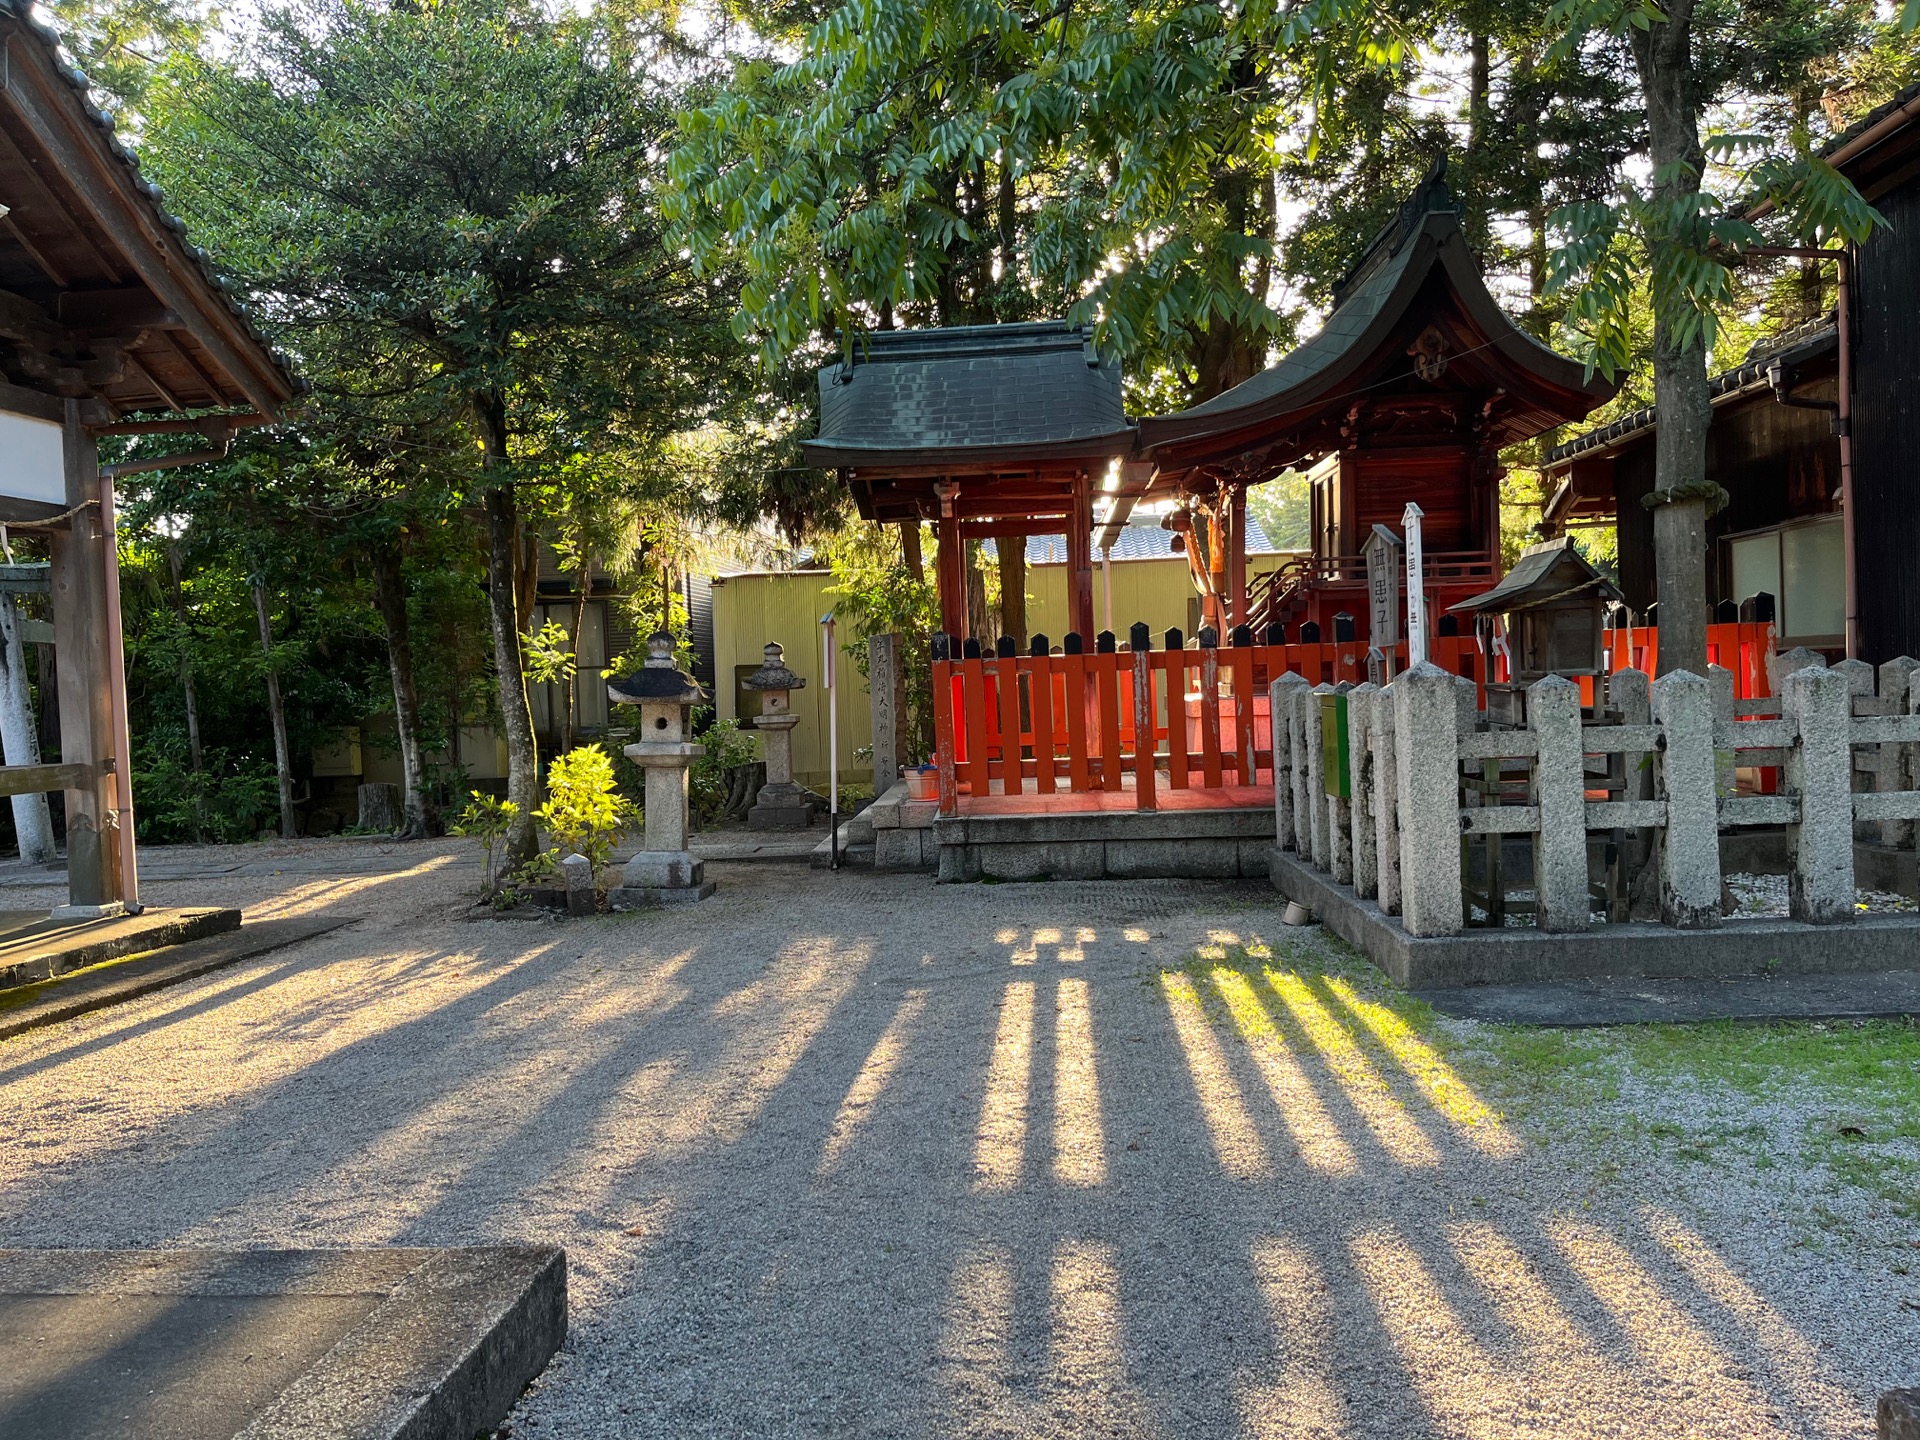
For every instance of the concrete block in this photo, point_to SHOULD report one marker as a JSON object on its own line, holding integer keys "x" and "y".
{"x": 1819, "y": 770}
{"x": 1690, "y": 858}
{"x": 663, "y": 870}
{"x": 1559, "y": 782}
{"x": 576, "y": 878}
{"x": 1425, "y": 723}
{"x": 1172, "y": 859}
{"x": 898, "y": 849}
{"x": 1057, "y": 860}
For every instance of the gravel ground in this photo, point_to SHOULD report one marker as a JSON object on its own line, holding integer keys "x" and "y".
{"x": 855, "y": 1156}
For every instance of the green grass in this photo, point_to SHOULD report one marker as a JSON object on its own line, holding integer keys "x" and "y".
{"x": 1841, "y": 1097}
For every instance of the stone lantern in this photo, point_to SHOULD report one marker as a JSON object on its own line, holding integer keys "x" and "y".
{"x": 664, "y": 871}
{"x": 782, "y": 805}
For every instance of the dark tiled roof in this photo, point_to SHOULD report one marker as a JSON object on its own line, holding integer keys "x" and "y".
{"x": 22, "y": 10}
{"x": 914, "y": 394}
{"x": 1803, "y": 342}
{"x": 1870, "y": 119}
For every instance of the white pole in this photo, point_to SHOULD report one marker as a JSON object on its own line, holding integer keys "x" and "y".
{"x": 833, "y": 744}
{"x": 1416, "y": 595}
{"x": 1106, "y": 580}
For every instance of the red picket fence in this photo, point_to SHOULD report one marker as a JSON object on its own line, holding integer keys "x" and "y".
{"x": 1048, "y": 724}
{"x": 1741, "y": 648}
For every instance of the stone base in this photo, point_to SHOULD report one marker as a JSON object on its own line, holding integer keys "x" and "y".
{"x": 1869, "y": 944}
{"x": 663, "y": 870}
{"x": 629, "y": 897}
{"x": 1899, "y": 1417}
{"x": 1158, "y": 845}
{"x": 783, "y": 805}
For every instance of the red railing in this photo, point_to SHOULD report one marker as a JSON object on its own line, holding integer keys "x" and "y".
{"x": 1741, "y": 648}
{"x": 1048, "y": 724}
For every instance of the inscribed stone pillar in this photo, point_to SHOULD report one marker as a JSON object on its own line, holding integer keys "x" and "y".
{"x": 1426, "y": 737}
{"x": 1361, "y": 703}
{"x": 886, "y": 689}
{"x": 1559, "y": 782}
{"x": 1299, "y": 697}
{"x": 1690, "y": 858}
{"x": 1279, "y": 713}
{"x": 1820, "y": 847}
{"x": 1386, "y": 801}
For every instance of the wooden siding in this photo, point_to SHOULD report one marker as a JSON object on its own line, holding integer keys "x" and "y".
{"x": 1886, "y": 429}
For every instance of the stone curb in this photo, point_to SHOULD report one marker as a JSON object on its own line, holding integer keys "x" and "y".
{"x": 132, "y": 937}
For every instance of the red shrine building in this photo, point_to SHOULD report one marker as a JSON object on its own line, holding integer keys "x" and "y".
{"x": 1408, "y": 393}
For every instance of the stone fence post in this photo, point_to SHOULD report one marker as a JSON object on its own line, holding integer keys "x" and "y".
{"x": 1316, "y": 777}
{"x": 1893, "y": 768}
{"x": 1426, "y": 735}
{"x": 1339, "y": 812}
{"x": 1280, "y": 714}
{"x": 1386, "y": 802}
{"x": 1690, "y": 854}
{"x": 1560, "y": 790}
{"x": 1298, "y": 698}
{"x": 887, "y": 691}
{"x": 1361, "y": 702}
{"x": 1720, "y": 687}
{"x": 1819, "y": 770}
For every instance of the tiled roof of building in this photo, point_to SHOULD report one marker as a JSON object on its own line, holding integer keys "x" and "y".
{"x": 914, "y": 394}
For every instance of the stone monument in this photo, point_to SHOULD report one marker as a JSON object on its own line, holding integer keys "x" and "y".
{"x": 782, "y": 805}
{"x": 664, "y": 872}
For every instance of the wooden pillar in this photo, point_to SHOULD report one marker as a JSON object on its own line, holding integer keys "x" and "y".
{"x": 950, "y": 579}
{"x": 80, "y": 636}
{"x": 1080, "y": 561}
{"x": 1237, "y": 558}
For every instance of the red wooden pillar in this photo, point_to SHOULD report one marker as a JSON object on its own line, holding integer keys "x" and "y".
{"x": 1237, "y": 558}
{"x": 1080, "y": 561}
{"x": 950, "y": 578}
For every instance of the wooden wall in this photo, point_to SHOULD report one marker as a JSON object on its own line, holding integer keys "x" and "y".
{"x": 1886, "y": 430}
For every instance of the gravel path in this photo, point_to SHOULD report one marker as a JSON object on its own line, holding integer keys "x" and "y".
{"x": 856, "y": 1156}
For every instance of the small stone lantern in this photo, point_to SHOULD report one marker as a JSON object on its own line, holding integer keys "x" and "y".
{"x": 664, "y": 872}
{"x": 782, "y": 805}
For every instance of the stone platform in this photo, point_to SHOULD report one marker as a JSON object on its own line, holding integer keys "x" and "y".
{"x": 1868, "y": 944}
{"x": 34, "y": 946}
{"x": 1168, "y": 844}
{"x": 273, "y": 1344}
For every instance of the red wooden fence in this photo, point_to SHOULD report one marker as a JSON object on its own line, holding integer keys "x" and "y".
{"x": 1741, "y": 648}
{"x": 1048, "y": 724}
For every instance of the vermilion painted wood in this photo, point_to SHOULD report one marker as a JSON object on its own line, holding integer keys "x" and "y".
{"x": 1173, "y": 665}
{"x": 1107, "y": 697}
{"x": 1074, "y": 668}
{"x": 974, "y": 676}
{"x": 1241, "y": 658}
{"x": 1039, "y": 675}
{"x": 1209, "y": 718}
{"x": 1007, "y": 672}
{"x": 1145, "y": 729}
{"x": 949, "y": 786}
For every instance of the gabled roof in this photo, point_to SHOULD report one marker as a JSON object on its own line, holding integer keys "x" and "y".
{"x": 970, "y": 395}
{"x": 1544, "y": 572}
{"x": 1423, "y": 240}
{"x": 104, "y": 297}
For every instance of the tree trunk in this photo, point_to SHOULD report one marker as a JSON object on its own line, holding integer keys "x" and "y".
{"x": 584, "y": 585}
{"x": 1662, "y": 55}
{"x": 32, "y": 818}
{"x": 418, "y": 818}
{"x": 277, "y": 713}
{"x": 504, "y": 576}
{"x": 980, "y": 618}
{"x": 1013, "y": 587}
{"x": 196, "y": 755}
{"x": 1479, "y": 70}
{"x": 910, "y": 547}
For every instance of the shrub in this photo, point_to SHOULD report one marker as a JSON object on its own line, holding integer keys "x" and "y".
{"x": 585, "y": 810}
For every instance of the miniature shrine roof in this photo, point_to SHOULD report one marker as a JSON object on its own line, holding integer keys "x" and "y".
{"x": 1544, "y": 572}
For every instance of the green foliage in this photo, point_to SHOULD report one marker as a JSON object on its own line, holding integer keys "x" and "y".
{"x": 230, "y": 799}
{"x": 584, "y": 811}
{"x": 549, "y": 653}
{"x": 710, "y": 781}
{"x": 876, "y": 593}
{"x": 487, "y": 819}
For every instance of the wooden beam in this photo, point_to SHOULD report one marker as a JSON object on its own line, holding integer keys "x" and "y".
{"x": 43, "y": 779}
{"x": 1237, "y": 558}
{"x": 1080, "y": 562}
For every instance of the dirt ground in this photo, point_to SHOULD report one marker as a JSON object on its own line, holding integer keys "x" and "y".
{"x": 847, "y": 1155}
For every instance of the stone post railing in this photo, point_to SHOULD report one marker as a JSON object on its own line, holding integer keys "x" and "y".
{"x": 1386, "y": 802}
{"x": 1894, "y": 765}
{"x": 1360, "y": 706}
{"x": 1560, "y": 844}
{"x": 1690, "y": 853}
{"x": 1286, "y": 787}
{"x": 1426, "y": 728}
{"x": 1819, "y": 772}
{"x": 1321, "y": 841}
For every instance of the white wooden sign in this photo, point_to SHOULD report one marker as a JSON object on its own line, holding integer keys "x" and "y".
{"x": 32, "y": 464}
{"x": 1416, "y": 596}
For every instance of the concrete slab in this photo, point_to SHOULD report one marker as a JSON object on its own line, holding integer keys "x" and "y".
{"x": 273, "y": 1344}
{"x": 1642, "y": 1001}
{"x": 793, "y": 847}
{"x": 1207, "y": 843}
{"x": 1866, "y": 945}
{"x": 113, "y": 981}
{"x": 34, "y": 947}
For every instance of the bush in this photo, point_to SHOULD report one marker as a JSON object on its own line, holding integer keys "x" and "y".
{"x": 710, "y": 784}
{"x": 230, "y": 800}
{"x": 585, "y": 810}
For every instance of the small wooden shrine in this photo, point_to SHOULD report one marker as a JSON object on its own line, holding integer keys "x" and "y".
{"x": 1555, "y": 607}
{"x": 1408, "y": 393}
{"x": 1000, "y": 431}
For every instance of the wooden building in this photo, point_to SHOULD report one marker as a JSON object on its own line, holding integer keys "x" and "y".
{"x": 1774, "y": 444}
{"x": 999, "y": 431}
{"x": 1408, "y": 394}
{"x": 111, "y": 323}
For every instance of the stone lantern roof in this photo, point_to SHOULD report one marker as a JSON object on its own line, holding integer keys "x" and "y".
{"x": 659, "y": 681}
{"x": 773, "y": 673}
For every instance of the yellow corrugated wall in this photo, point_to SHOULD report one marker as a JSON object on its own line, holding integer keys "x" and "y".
{"x": 748, "y": 611}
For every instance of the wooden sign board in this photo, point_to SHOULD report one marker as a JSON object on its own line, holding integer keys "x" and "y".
{"x": 1382, "y": 551}
{"x": 33, "y": 475}
{"x": 1333, "y": 746}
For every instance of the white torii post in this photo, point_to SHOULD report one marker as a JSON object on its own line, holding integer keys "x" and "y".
{"x": 1416, "y": 596}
